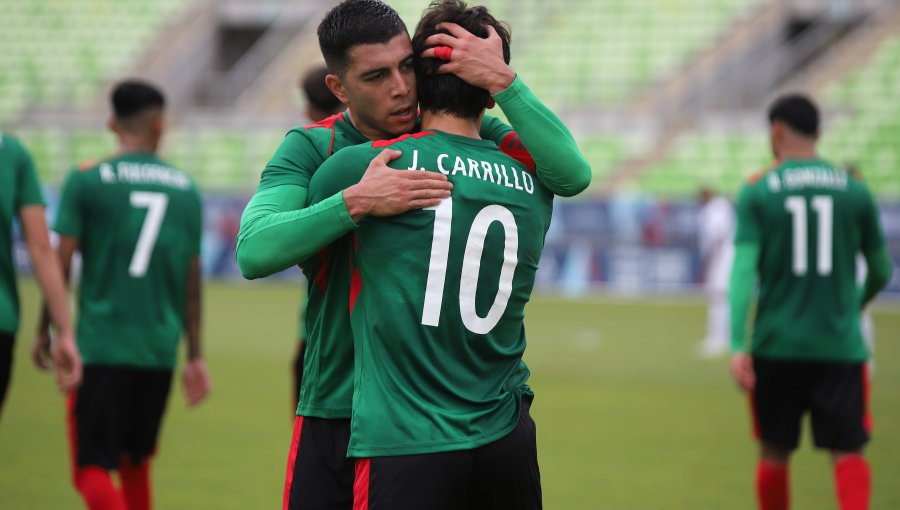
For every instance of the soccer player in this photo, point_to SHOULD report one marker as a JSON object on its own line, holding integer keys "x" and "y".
{"x": 715, "y": 236}
{"x": 440, "y": 408}
{"x": 320, "y": 104}
{"x": 368, "y": 52}
{"x": 20, "y": 196}
{"x": 137, "y": 223}
{"x": 800, "y": 226}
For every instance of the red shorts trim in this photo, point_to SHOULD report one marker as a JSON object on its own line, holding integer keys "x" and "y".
{"x": 361, "y": 485}
{"x": 868, "y": 420}
{"x": 754, "y": 416}
{"x": 292, "y": 458}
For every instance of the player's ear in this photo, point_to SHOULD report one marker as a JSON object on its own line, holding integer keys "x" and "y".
{"x": 490, "y": 103}
{"x": 336, "y": 86}
{"x": 112, "y": 125}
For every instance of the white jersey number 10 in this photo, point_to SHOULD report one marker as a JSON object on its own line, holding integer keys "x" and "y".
{"x": 471, "y": 266}
{"x": 155, "y": 203}
{"x": 823, "y": 205}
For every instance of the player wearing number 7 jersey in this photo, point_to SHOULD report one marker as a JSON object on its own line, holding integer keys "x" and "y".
{"x": 800, "y": 226}
{"x": 137, "y": 222}
{"x": 440, "y": 408}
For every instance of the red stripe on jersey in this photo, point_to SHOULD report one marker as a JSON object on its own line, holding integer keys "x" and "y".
{"x": 355, "y": 287}
{"x": 292, "y": 459}
{"x": 513, "y": 147}
{"x": 322, "y": 273}
{"x": 754, "y": 416}
{"x": 378, "y": 144}
{"x": 868, "y": 421}
{"x": 361, "y": 484}
{"x": 328, "y": 123}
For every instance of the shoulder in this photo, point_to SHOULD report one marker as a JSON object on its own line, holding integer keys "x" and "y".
{"x": 383, "y": 144}
{"x": 756, "y": 176}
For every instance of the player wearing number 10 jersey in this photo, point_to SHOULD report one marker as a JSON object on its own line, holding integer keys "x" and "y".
{"x": 137, "y": 223}
{"x": 440, "y": 414}
{"x": 800, "y": 226}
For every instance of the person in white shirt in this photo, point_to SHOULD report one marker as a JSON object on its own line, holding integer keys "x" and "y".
{"x": 716, "y": 239}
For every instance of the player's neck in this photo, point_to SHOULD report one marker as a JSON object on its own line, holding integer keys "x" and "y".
{"x": 450, "y": 124}
{"x": 137, "y": 144}
{"x": 798, "y": 150}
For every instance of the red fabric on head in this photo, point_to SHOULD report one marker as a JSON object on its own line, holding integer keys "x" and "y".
{"x": 443, "y": 52}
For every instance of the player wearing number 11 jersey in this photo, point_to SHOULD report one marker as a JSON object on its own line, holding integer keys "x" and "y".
{"x": 800, "y": 226}
{"x": 440, "y": 415}
{"x": 137, "y": 223}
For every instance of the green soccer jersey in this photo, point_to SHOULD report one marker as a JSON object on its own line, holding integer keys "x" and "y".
{"x": 327, "y": 387}
{"x": 438, "y": 298}
{"x": 810, "y": 220}
{"x": 19, "y": 187}
{"x": 138, "y": 223}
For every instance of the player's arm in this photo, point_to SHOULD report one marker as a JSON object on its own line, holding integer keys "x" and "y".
{"x": 63, "y": 352}
{"x": 740, "y": 289}
{"x": 195, "y": 378}
{"x": 341, "y": 172}
{"x": 278, "y": 230}
{"x": 560, "y": 165}
{"x": 878, "y": 258}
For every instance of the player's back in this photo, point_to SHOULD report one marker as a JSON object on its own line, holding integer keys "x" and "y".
{"x": 138, "y": 221}
{"x": 814, "y": 219}
{"x": 438, "y": 321}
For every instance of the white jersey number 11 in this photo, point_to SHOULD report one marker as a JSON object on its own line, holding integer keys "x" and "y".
{"x": 823, "y": 205}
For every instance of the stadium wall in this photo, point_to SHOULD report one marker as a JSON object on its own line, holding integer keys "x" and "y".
{"x": 626, "y": 244}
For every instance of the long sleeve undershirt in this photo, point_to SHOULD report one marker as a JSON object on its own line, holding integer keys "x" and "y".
{"x": 278, "y": 231}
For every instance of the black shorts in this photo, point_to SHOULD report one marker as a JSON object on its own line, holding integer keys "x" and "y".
{"x": 319, "y": 474}
{"x": 835, "y": 394}
{"x": 500, "y": 475}
{"x": 7, "y": 341}
{"x": 117, "y": 412}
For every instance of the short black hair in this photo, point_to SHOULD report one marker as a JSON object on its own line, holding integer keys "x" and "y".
{"x": 355, "y": 22}
{"x": 132, "y": 97}
{"x": 446, "y": 92}
{"x": 798, "y": 112}
{"x": 317, "y": 92}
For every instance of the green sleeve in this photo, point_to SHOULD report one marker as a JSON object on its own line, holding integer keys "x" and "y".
{"x": 278, "y": 232}
{"x": 748, "y": 229}
{"x": 341, "y": 171}
{"x": 29, "y": 188}
{"x": 880, "y": 267}
{"x": 69, "y": 213}
{"x": 740, "y": 293}
{"x": 559, "y": 163}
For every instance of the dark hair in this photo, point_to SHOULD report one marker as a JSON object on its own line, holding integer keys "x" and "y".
{"x": 131, "y": 97}
{"x": 798, "y": 112}
{"x": 317, "y": 92}
{"x": 355, "y": 22}
{"x": 446, "y": 92}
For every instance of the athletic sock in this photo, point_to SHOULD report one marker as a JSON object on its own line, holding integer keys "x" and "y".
{"x": 97, "y": 489}
{"x": 853, "y": 480}
{"x": 772, "y": 486}
{"x": 136, "y": 484}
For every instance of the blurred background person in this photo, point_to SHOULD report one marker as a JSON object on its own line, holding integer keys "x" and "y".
{"x": 21, "y": 197}
{"x": 715, "y": 235}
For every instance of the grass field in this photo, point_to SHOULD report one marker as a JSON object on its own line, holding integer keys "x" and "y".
{"x": 627, "y": 417}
